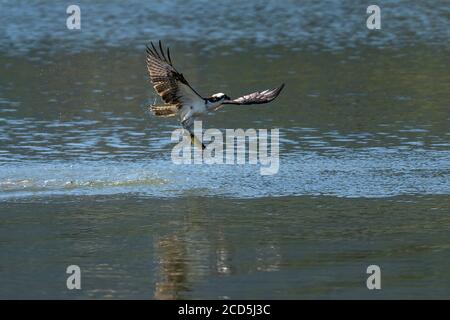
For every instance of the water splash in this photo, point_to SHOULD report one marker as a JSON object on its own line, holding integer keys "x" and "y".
{"x": 373, "y": 172}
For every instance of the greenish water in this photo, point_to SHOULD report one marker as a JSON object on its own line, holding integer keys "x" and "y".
{"x": 196, "y": 247}
{"x": 86, "y": 176}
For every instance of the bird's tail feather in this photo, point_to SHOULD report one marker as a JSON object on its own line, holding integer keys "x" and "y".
{"x": 164, "y": 111}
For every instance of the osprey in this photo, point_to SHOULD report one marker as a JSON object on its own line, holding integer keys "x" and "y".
{"x": 181, "y": 98}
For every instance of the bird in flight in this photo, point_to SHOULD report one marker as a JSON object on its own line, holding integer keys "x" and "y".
{"x": 180, "y": 98}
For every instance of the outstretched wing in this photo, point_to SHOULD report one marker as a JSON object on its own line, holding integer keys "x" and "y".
{"x": 258, "y": 97}
{"x": 167, "y": 81}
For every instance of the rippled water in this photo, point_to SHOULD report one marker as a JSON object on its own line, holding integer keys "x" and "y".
{"x": 315, "y": 25}
{"x": 86, "y": 176}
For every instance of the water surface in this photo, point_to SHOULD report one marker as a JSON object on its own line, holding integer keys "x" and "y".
{"x": 86, "y": 176}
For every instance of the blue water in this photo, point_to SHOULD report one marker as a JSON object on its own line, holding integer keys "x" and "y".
{"x": 364, "y": 175}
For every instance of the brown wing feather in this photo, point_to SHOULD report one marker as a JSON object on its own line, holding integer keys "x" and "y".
{"x": 167, "y": 81}
{"x": 257, "y": 97}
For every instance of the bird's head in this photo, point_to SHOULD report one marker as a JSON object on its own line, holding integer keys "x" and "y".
{"x": 216, "y": 100}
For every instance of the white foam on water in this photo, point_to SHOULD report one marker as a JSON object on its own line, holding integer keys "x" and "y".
{"x": 374, "y": 172}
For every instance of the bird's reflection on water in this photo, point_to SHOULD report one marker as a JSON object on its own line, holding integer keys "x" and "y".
{"x": 189, "y": 254}
{"x": 199, "y": 249}
{"x": 172, "y": 274}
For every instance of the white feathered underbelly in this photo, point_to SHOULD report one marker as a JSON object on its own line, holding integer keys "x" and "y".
{"x": 194, "y": 109}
